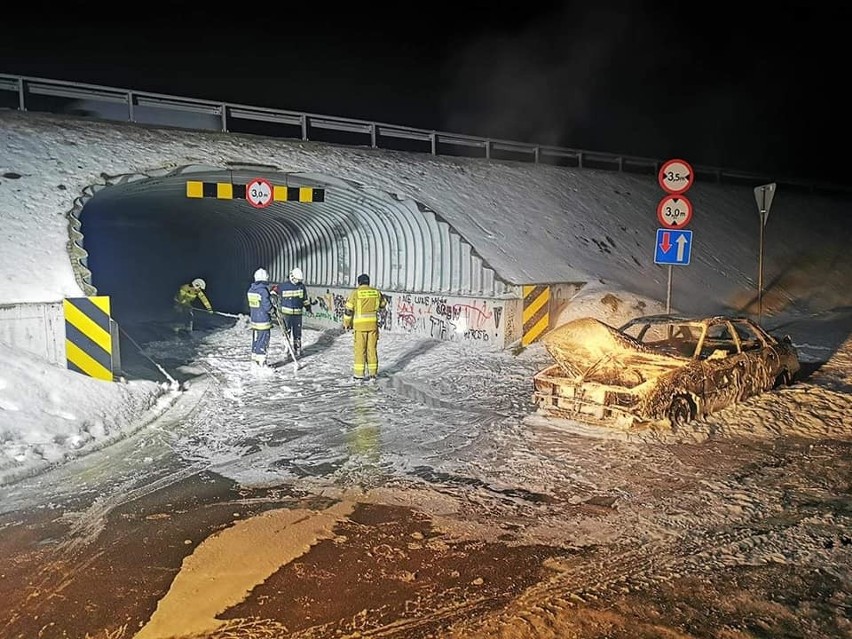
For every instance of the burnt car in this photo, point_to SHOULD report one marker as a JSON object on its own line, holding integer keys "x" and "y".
{"x": 660, "y": 370}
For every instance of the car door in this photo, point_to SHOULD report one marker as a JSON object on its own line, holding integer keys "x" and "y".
{"x": 762, "y": 356}
{"x": 724, "y": 365}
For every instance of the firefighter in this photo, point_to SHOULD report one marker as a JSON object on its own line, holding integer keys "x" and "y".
{"x": 184, "y": 298}
{"x": 294, "y": 301}
{"x": 361, "y": 314}
{"x": 261, "y": 314}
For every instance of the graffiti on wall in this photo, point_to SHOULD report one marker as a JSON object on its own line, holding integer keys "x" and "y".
{"x": 330, "y": 307}
{"x": 446, "y": 318}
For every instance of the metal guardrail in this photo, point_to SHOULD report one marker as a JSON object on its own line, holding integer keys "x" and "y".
{"x": 228, "y": 116}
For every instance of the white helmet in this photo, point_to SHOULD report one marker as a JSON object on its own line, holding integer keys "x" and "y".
{"x": 260, "y": 275}
{"x": 296, "y": 275}
{"x": 199, "y": 283}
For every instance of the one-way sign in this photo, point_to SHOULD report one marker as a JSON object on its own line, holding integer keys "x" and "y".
{"x": 673, "y": 247}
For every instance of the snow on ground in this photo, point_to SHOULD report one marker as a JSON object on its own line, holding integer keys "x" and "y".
{"x": 48, "y": 415}
{"x": 432, "y": 390}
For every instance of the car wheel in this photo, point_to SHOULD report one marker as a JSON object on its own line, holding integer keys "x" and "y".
{"x": 681, "y": 411}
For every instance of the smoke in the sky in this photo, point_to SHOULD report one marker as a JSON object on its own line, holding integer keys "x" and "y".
{"x": 540, "y": 85}
{"x": 641, "y": 80}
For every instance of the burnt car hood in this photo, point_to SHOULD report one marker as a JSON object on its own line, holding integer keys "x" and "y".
{"x": 589, "y": 349}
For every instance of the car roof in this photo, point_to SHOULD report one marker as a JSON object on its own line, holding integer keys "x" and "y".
{"x": 665, "y": 318}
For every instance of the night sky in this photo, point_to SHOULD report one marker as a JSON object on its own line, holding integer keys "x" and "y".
{"x": 758, "y": 89}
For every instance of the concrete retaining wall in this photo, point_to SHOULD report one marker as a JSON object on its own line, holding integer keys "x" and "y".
{"x": 36, "y": 328}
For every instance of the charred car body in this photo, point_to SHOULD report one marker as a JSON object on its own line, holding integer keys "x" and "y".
{"x": 661, "y": 370}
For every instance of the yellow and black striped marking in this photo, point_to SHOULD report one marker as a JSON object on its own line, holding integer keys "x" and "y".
{"x": 88, "y": 343}
{"x": 536, "y": 312}
{"x": 228, "y": 191}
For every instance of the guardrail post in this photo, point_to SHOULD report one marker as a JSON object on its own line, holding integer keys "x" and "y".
{"x": 224, "y": 118}
{"x": 487, "y": 149}
{"x": 580, "y": 160}
{"x": 130, "y": 113}
{"x": 621, "y": 165}
{"x": 373, "y": 135}
{"x": 536, "y": 154}
{"x": 433, "y": 138}
{"x": 304, "y": 120}
{"x": 22, "y": 105}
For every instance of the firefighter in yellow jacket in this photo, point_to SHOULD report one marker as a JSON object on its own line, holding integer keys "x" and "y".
{"x": 184, "y": 298}
{"x": 361, "y": 314}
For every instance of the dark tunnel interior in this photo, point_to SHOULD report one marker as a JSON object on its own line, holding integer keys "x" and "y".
{"x": 142, "y": 249}
{"x": 144, "y": 237}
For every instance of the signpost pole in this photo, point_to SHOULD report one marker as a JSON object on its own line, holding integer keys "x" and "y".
{"x": 669, "y": 292}
{"x": 760, "y": 272}
{"x": 763, "y": 196}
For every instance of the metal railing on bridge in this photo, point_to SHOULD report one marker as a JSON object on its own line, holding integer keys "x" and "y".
{"x": 142, "y": 107}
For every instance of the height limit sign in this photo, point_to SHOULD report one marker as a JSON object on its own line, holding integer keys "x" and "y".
{"x": 674, "y": 211}
{"x": 676, "y": 176}
{"x": 674, "y": 244}
{"x": 259, "y": 193}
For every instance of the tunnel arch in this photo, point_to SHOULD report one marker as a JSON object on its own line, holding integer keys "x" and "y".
{"x": 137, "y": 226}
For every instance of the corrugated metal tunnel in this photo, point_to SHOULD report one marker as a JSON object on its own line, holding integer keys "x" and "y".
{"x": 139, "y": 237}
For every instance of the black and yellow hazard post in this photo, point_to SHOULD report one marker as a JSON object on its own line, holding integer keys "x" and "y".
{"x": 536, "y": 312}
{"x": 89, "y": 336}
{"x": 228, "y": 191}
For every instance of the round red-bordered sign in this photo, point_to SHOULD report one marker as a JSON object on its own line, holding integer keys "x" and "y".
{"x": 674, "y": 211}
{"x": 259, "y": 193}
{"x": 676, "y": 176}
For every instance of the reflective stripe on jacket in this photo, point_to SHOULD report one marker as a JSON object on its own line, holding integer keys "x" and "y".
{"x": 260, "y": 306}
{"x": 362, "y": 308}
{"x": 294, "y": 298}
{"x": 187, "y": 294}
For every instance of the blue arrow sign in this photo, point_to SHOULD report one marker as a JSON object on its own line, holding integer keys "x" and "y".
{"x": 673, "y": 247}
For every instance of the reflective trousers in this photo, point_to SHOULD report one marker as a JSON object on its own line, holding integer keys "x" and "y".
{"x": 294, "y": 327}
{"x": 259, "y": 345}
{"x": 366, "y": 353}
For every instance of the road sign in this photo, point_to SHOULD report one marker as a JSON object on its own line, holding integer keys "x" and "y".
{"x": 763, "y": 196}
{"x": 673, "y": 247}
{"x": 259, "y": 193}
{"x": 676, "y": 176}
{"x": 674, "y": 211}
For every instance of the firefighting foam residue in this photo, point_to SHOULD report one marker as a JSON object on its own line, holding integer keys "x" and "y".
{"x": 220, "y": 573}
